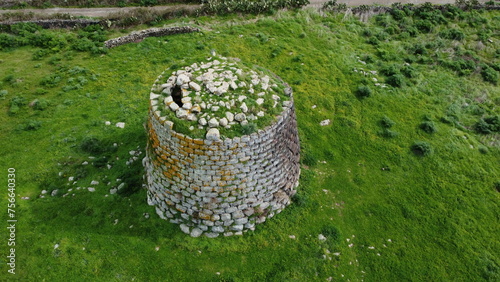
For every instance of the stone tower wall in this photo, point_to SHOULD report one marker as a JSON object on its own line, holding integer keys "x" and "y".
{"x": 227, "y": 186}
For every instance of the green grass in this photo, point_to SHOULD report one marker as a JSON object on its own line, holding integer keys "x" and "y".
{"x": 407, "y": 217}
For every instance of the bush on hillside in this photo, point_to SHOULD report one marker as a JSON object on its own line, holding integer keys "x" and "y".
{"x": 488, "y": 125}
{"x": 421, "y": 148}
{"x": 363, "y": 91}
{"x": 489, "y": 74}
{"x": 387, "y": 122}
{"x": 396, "y": 80}
{"x": 253, "y": 7}
{"x": 452, "y": 34}
{"x": 428, "y": 126}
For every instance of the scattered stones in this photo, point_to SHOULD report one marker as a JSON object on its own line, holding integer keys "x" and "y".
{"x": 213, "y": 123}
{"x": 211, "y": 86}
{"x": 321, "y": 237}
{"x": 91, "y": 189}
{"x": 120, "y": 124}
{"x": 244, "y": 107}
{"x": 240, "y": 117}
{"x": 325, "y": 122}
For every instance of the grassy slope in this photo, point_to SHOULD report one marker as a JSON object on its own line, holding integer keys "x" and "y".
{"x": 440, "y": 212}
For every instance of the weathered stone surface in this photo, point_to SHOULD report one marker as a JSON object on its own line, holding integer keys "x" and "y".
{"x": 196, "y": 232}
{"x": 185, "y": 228}
{"x": 240, "y": 117}
{"x": 213, "y": 134}
{"x": 213, "y": 122}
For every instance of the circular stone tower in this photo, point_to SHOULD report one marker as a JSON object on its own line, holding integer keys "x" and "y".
{"x": 223, "y": 148}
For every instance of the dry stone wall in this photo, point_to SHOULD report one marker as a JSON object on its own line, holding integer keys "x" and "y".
{"x": 226, "y": 186}
{"x": 152, "y": 32}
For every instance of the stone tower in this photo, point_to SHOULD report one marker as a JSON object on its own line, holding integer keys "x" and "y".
{"x": 223, "y": 148}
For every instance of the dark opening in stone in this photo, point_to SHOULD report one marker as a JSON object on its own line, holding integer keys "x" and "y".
{"x": 177, "y": 95}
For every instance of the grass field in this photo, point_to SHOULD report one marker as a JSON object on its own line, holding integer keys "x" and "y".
{"x": 403, "y": 183}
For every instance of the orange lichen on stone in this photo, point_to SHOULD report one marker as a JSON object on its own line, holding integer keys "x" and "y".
{"x": 224, "y": 172}
{"x": 167, "y": 174}
{"x": 198, "y": 141}
{"x": 204, "y": 216}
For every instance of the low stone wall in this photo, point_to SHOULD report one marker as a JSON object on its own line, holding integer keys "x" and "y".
{"x": 215, "y": 187}
{"x": 156, "y": 32}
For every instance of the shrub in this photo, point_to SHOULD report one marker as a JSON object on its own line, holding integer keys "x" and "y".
{"x": 488, "y": 125}
{"x": 331, "y": 233}
{"x": 489, "y": 74}
{"x": 424, "y": 26}
{"x": 18, "y": 101}
{"x": 373, "y": 40}
{"x": 484, "y": 34}
{"x": 428, "y": 126}
{"x": 7, "y": 41}
{"x": 32, "y": 125}
{"x": 387, "y": 133}
{"x": 41, "y": 91}
{"x": 483, "y": 149}
{"x": 50, "y": 80}
{"x": 254, "y": 7}
{"x": 398, "y": 14}
{"x": 333, "y": 6}
{"x": 389, "y": 70}
{"x": 148, "y": 2}
{"x": 421, "y": 148}
{"x": 363, "y": 91}
{"x": 452, "y": 34}
{"x": 462, "y": 66}
{"x": 3, "y": 93}
{"x": 387, "y": 122}
{"x": 396, "y": 80}
{"x": 83, "y": 44}
{"x": 417, "y": 49}
{"x": 24, "y": 28}
{"x": 409, "y": 71}
{"x": 40, "y": 104}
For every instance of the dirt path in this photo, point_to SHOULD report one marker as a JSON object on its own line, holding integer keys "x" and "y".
{"x": 104, "y": 12}
{"x": 95, "y": 12}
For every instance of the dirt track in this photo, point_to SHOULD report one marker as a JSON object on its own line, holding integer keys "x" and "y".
{"x": 103, "y": 12}
{"x": 95, "y": 12}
